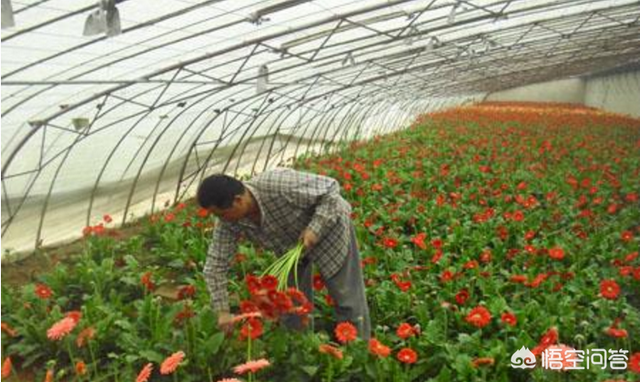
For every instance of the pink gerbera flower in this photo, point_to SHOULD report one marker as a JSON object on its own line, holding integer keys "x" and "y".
{"x": 251, "y": 366}
{"x": 171, "y": 363}
{"x": 145, "y": 373}
{"x": 61, "y": 328}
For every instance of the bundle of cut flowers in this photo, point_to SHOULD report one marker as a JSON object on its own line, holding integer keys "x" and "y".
{"x": 282, "y": 267}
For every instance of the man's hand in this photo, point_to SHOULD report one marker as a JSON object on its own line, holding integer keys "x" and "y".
{"x": 308, "y": 238}
{"x": 225, "y": 322}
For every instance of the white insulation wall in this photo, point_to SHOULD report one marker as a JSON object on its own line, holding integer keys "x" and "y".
{"x": 617, "y": 92}
{"x": 567, "y": 90}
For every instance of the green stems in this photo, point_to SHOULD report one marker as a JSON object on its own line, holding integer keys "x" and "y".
{"x": 281, "y": 268}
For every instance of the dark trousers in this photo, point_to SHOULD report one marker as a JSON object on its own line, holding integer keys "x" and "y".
{"x": 346, "y": 288}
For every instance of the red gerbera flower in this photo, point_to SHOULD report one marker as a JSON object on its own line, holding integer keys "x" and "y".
{"x": 75, "y": 315}
{"x": 186, "y": 291}
{"x": 253, "y": 284}
{"x": 318, "y": 283}
{"x": 390, "y": 242}
{"x": 617, "y": 333}
{"x": 556, "y": 253}
{"x": 509, "y": 319}
{"x": 269, "y": 282}
{"x": 377, "y": 348}
{"x": 626, "y": 235}
{"x": 548, "y": 339}
{"x": 609, "y": 289}
{"x": 43, "y": 291}
{"x": 407, "y": 355}
{"x": 251, "y": 329}
{"x": 634, "y": 362}
{"x": 419, "y": 240}
{"x": 146, "y": 281}
{"x": 171, "y": 363}
{"x": 462, "y": 296}
{"x": 479, "y": 317}
{"x": 346, "y": 332}
{"x": 405, "y": 330}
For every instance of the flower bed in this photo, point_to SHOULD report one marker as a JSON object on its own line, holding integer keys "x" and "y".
{"x": 483, "y": 230}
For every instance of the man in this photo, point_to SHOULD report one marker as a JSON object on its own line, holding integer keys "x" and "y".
{"x": 276, "y": 210}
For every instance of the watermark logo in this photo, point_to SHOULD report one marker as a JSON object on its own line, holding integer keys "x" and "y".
{"x": 561, "y": 357}
{"x": 523, "y": 359}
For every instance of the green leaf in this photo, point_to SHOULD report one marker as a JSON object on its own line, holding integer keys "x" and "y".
{"x": 310, "y": 370}
{"x": 151, "y": 355}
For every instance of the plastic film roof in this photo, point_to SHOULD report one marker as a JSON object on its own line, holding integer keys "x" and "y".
{"x": 123, "y": 123}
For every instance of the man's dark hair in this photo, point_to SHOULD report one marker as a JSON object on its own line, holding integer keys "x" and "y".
{"x": 218, "y": 191}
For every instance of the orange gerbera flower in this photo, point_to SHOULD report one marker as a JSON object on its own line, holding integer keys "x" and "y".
{"x": 483, "y": 361}
{"x": 145, "y": 373}
{"x": 85, "y": 335}
{"x": 6, "y": 368}
{"x": 171, "y": 363}
{"x": 61, "y": 328}
{"x": 251, "y": 366}
{"x": 81, "y": 368}
{"x": 330, "y": 350}
{"x": 376, "y": 347}
{"x": 9, "y": 330}
{"x": 346, "y": 332}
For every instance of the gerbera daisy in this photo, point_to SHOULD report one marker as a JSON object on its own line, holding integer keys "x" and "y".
{"x": 61, "y": 328}
{"x": 377, "y": 348}
{"x": 479, "y": 317}
{"x": 634, "y": 362}
{"x": 330, "y": 350}
{"x": 609, "y": 289}
{"x": 145, "y": 373}
{"x": 251, "y": 366}
{"x": 405, "y": 330}
{"x": 407, "y": 355}
{"x": 346, "y": 332}
{"x": 509, "y": 319}
{"x": 171, "y": 363}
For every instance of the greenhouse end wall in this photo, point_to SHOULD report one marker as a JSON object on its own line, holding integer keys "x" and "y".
{"x": 566, "y": 90}
{"x": 619, "y": 92}
{"x": 616, "y": 92}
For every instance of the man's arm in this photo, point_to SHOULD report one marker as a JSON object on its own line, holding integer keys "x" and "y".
{"x": 222, "y": 248}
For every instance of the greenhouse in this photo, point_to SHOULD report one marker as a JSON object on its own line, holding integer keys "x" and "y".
{"x": 320, "y": 190}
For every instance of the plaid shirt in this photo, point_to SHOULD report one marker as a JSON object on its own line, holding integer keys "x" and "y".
{"x": 289, "y": 202}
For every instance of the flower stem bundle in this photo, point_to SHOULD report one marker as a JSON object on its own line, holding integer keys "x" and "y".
{"x": 281, "y": 268}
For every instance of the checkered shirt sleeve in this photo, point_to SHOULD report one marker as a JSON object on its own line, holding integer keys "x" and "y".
{"x": 223, "y": 247}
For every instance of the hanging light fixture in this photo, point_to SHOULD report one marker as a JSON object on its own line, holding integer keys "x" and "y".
{"x": 7, "y": 14}
{"x": 348, "y": 60}
{"x": 105, "y": 19}
{"x": 452, "y": 16}
{"x": 263, "y": 79}
{"x": 413, "y": 35}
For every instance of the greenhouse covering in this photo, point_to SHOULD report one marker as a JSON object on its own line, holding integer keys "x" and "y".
{"x": 320, "y": 190}
{"x": 123, "y": 120}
